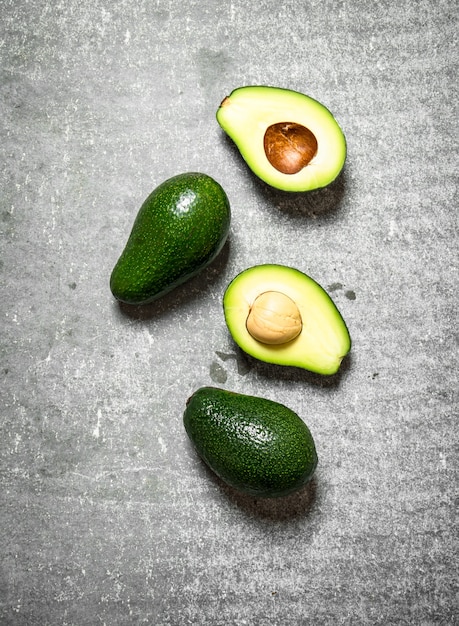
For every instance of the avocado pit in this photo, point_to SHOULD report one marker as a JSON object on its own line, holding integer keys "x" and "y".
{"x": 274, "y": 318}
{"x": 289, "y": 146}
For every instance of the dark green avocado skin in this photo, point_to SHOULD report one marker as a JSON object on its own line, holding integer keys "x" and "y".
{"x": 179, "y": 230}
{"x": 256, "y": 445}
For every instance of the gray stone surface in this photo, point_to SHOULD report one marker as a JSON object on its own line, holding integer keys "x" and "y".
{"x": 107, "y": 516}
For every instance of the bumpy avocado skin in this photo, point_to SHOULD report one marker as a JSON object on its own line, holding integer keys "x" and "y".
{"x": 179, "y": 230}
{"x": 256, "y": 445}
{"x": 248, "y": 111}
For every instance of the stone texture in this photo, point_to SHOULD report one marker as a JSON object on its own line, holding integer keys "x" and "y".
{"x": 107, "y": 516}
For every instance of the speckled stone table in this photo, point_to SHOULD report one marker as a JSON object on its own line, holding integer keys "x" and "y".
{"x": 107, "y": 515}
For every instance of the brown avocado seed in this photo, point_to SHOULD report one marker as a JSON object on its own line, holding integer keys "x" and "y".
{"x": 289, "y": 146}
{"x": 274, "y": 318}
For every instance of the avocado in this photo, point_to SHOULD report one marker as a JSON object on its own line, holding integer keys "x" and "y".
{"x": 279, "y": 315}
{"x": 288, "y": 139}
{"x": 180, "y": 228}
{"x": 256, "y": 445}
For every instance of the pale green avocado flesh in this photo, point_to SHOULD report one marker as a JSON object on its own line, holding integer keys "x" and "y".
{"x": 324, "y": 338}
{"x": 247, "y": 113}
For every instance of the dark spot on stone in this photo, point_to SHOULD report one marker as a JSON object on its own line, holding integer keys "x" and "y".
{"x": 350, "y": 295}
{"x": 335, "y": 286}
{"x": 243, "y": 366}
{"x": 224, "y": 357}
{"x": 72, "y": 285}
{"x": 217, "y": 373}
{"x": 212, "y": 64}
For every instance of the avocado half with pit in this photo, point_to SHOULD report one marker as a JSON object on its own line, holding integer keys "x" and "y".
{"x": 289, "y": 140}
{"x": 279, "y": 315}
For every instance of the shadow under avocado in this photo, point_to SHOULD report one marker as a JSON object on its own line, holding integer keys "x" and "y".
{"x": 271, "y": 371}
{"x": 323, "y": 202}
{"x": 282, "y": 508}
{"x": 186, "y": 292}
{"x": 246, "y": 364}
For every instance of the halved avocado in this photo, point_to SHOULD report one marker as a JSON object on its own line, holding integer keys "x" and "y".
{"x": 278, "y": 314}
{"x": 288, "y": 139}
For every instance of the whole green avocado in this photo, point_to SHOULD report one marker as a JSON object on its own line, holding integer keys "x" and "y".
{"x": 179, "y": 230}
{"x": 256, "y": 445}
